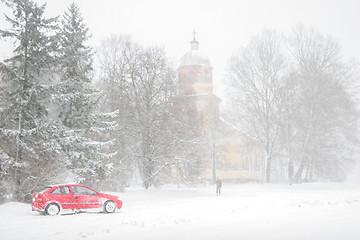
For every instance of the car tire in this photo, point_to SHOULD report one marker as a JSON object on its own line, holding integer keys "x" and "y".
{"x": 52, "y": 209}
{"x": 109, "y": 206}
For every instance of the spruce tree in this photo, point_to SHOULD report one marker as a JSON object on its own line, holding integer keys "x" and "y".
{"x": 27, "y": 136}
{"x": 77, "y": 99}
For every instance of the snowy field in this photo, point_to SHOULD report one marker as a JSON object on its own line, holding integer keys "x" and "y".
{"x": 248, "y": 211}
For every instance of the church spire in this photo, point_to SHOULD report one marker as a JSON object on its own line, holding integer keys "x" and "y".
{"x": 194, "y": 44}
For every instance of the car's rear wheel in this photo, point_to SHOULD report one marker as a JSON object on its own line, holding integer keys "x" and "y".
{"x": 52, "y": 209}
{"x": 109, "y": 206}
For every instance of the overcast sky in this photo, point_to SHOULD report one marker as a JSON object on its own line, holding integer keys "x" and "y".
{"x": 222, "y": 26}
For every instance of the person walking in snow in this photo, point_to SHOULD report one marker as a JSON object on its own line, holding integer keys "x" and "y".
{"x": 218, "y": 186}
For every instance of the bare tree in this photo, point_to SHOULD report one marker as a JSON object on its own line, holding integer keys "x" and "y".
{"x": 114, "y": 56}
{"x": 326, "y": 114}
{"x": 255, "y": 80}
{"x": 142, "y": 87}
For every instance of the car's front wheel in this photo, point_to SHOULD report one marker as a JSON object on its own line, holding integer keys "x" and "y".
{"x": 52, "y": 209}
{"x": 109, "y": 206}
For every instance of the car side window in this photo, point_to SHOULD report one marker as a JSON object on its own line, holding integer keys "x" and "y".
{"x": 78, "y": 190}
{"x": 61, "y": 190}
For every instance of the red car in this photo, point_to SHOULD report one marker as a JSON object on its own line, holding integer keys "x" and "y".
{"x": 57, "y": 198}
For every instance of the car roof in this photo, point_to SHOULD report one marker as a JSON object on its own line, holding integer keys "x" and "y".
{"x": 66, "y": 184}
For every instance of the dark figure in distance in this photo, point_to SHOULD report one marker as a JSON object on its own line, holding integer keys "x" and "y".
{"x": 218, "y": 186}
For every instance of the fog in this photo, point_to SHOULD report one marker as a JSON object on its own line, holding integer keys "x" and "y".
{"x": 222, "y": 26}
{"x": 307, "y": 92}
{"x": 161, "y": 102}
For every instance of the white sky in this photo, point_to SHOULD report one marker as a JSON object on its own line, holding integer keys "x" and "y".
{"x": 222, "y": 26}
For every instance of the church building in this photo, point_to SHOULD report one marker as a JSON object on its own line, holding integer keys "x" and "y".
{"x": 229, "y": 155}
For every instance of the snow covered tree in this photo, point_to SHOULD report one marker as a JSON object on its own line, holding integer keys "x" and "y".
{"x": 30, "y": 149}
{"x": 76, "y": 68}
{"x": 85, "y": 146}
{"x": 140, "y": 83}
{"x": 114, "y": 83}
{"x": 326, "y": 120}
{"x": 189, "y": 140}
{"x": 301, "y": 112}
{"x": 255, "y": 78}
{"x": 152, "y": 85}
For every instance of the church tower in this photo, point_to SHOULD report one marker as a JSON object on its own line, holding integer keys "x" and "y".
{"x": 195, "y": 72}
{"x": 224, "y": 151}
{"x": 196, "y": 95}
{"x": 196, "y": 84}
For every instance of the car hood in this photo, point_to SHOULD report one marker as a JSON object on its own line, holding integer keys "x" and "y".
{"x": 110, "y": 196}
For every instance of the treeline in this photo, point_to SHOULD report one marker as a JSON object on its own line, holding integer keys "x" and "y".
{"x": 296, "y": 96}
{"x": 61, "y": 123}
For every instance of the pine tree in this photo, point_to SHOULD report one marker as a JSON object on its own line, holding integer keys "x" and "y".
{"x": 76, "y": 66}
{"x": 77, "y": 101}
{"x": 28, "y": 138}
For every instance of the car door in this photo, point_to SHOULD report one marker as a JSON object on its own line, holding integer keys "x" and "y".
{"x": 86, "y": 198}
{"x": 63, "y": 196}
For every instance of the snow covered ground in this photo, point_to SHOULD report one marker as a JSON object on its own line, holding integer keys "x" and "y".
{"x": 249, "y": 211}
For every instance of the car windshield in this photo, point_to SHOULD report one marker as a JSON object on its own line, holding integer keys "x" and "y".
{"x": 47, "y": 188}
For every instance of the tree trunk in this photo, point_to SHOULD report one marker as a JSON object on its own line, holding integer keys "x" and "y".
{"x": 268, "y": 169}
{"x": 290, "y": 170}
{"x": 146, "y": 184}
{"x": 297, "y": 176}
{"x": 290, "y": 160}
{"x": 17, "y": 182}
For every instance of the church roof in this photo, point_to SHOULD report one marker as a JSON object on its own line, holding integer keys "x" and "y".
{"x": 194, "y": 56}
